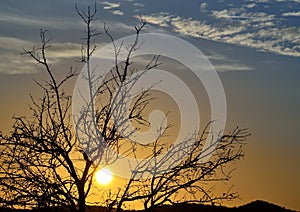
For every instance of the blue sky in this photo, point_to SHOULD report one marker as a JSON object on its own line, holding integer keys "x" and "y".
{"x": 253, "y": 44}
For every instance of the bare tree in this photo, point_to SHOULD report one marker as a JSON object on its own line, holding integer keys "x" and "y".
{"x": 43, "y": 164}
{"x": 192, "y": 180}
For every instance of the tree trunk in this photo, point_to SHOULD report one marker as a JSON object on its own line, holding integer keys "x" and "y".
{"x": 81, "y": 197}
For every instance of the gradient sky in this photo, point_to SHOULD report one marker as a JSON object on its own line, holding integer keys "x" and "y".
{"x": 253, "y": 44}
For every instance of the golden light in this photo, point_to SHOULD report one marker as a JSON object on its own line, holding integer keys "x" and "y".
{"x": 103, "y": 176}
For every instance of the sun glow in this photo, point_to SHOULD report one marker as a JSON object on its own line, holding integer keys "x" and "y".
{"x": 103, "y": 176}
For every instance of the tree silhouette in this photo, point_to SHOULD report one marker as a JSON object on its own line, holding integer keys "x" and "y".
{"x": 43, "y": 164}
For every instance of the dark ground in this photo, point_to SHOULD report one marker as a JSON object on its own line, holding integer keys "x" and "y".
{"x": 252, "y": 206}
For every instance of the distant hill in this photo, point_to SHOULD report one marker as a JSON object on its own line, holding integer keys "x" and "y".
{"x": 250, "y": 207}
{"x": 262, "y": 206}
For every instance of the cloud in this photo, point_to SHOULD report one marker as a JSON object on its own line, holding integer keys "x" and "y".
{"x": 222, "y": 14}
{"x": 223, "y": 64}
{"x": 201, "y": 29}
{"x": 260, "y": 1}
{"x": 16, "y": 64}
{"x": 291, "y": 14}
{"x": 188, "y": 26}
{"x": 203, "y": 7}
{"x": 12, "y": 62}
{"x": 297, "y": 1}
{"x": 161, "y": 19}
{"x": 117, "y": 12}
{"x": 239, "y": 26}
{"x": 249, "y": 6}
{"x": 232, "y": 67}
{"x": 46, "y": 22}
{"x": 10, "y": 59}
{"x": 138, "y": 4}
{"x": 240, "y": 13}
{"x": 112, "y": 7}
{"x": 109, "y": 5}
{"x": 271, "y": 40}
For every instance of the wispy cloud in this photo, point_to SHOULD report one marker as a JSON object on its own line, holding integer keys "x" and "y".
{"x": 232, "y": 67}
{"x": 260, "y": 1}
{"x": 228, "y": 14}
{"x": 109, "y": 5}
{"x": 297, "y": 1}
{"x": 138, "y": 4}
{"x": 250, "y": 5}
{"x": 48, "y": 22}
{"x": 223, "y": 64}
{"x": 161, "y": 19}
{"x": 12, "y": 62}
{"x": 113, "y": 8}
{"x": 291, "y": 14}
{"x": 117, "y": 12}
{"x": 239, "y": 13}
{"x": 238, "y": 26}
{"x": 201, "y": 29}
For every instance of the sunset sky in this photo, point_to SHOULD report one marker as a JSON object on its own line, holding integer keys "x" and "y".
{"x": 253, "y": 44}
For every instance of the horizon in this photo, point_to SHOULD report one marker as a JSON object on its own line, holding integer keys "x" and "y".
{"x": 252, "y": 44}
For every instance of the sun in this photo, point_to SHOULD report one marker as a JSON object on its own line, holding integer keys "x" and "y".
{"x": 103, "y": 176}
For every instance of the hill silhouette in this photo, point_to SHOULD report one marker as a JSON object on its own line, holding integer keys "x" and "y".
{"x": 252, "y": 206}
{"x": 261, "y": 206}
{"x": 257, "y": 205}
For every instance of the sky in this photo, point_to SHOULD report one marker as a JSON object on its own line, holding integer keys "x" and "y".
{"x": 254, "y": 46}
